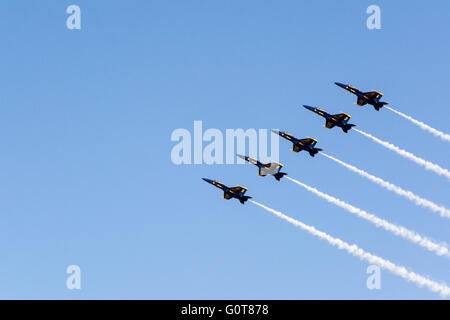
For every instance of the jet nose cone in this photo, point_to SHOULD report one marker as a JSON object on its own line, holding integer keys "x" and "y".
{"x": 308, "y": 107}
{"x": 340, "y": 84}
{"x": 207, "y": 180}
{"x": 276, "y": 132}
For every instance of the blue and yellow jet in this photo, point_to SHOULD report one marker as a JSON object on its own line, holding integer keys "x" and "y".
{"x": 300, "y": 144}
{"x": 372, "y": 97}
{"x": 272, "y": 168}
{"x": 228, "y": 193}
{"x": 339, "y": 120}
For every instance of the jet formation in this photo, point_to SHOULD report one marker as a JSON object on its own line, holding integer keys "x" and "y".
{"x": 308, "y": 144}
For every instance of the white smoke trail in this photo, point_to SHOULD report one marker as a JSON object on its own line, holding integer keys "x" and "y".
{"x": 421, "y": 281}
{"x": 437, "y": 133}
{"x": 427, "y": 164}
{"x": 403, "y": 232}
{"x": 444, "y": 212}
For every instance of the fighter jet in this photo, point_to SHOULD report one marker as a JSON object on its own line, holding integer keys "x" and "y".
{"x": 228, "y": 193}
{"x": 372, "y": 97}
{"x": 272, "y": 168}
{"x": 300, "y": 144}
{"x": 340, "y": 120}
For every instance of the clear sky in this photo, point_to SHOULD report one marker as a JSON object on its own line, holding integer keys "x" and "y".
{"x": 86, "y": 117}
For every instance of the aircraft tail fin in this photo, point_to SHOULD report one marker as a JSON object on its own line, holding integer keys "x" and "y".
{"x": 379, "y": 105}
{"x": 279, "y": 175}
{"x": 348, "y": 127}
{"x": 243, "y": 199}
{"x": 314, "y": 151}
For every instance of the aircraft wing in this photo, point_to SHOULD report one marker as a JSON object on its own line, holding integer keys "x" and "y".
{"x": 373, "y": 94}
{"x": 308, "y": 142}
{"x": 276, "y": 166}
{"x": 341, "y": 117}
{"x": 262, "y": 172}
{"x": 296, "y": 148}
{"x": 329, "y": 124}
{"x": 227, "y": 196}
{"x": 238, "y": 190}
{"x": 360, "y": 102}
{"x": 270, "y": 168}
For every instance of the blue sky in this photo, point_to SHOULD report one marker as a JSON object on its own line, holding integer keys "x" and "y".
{"x": 85, "y": 169}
